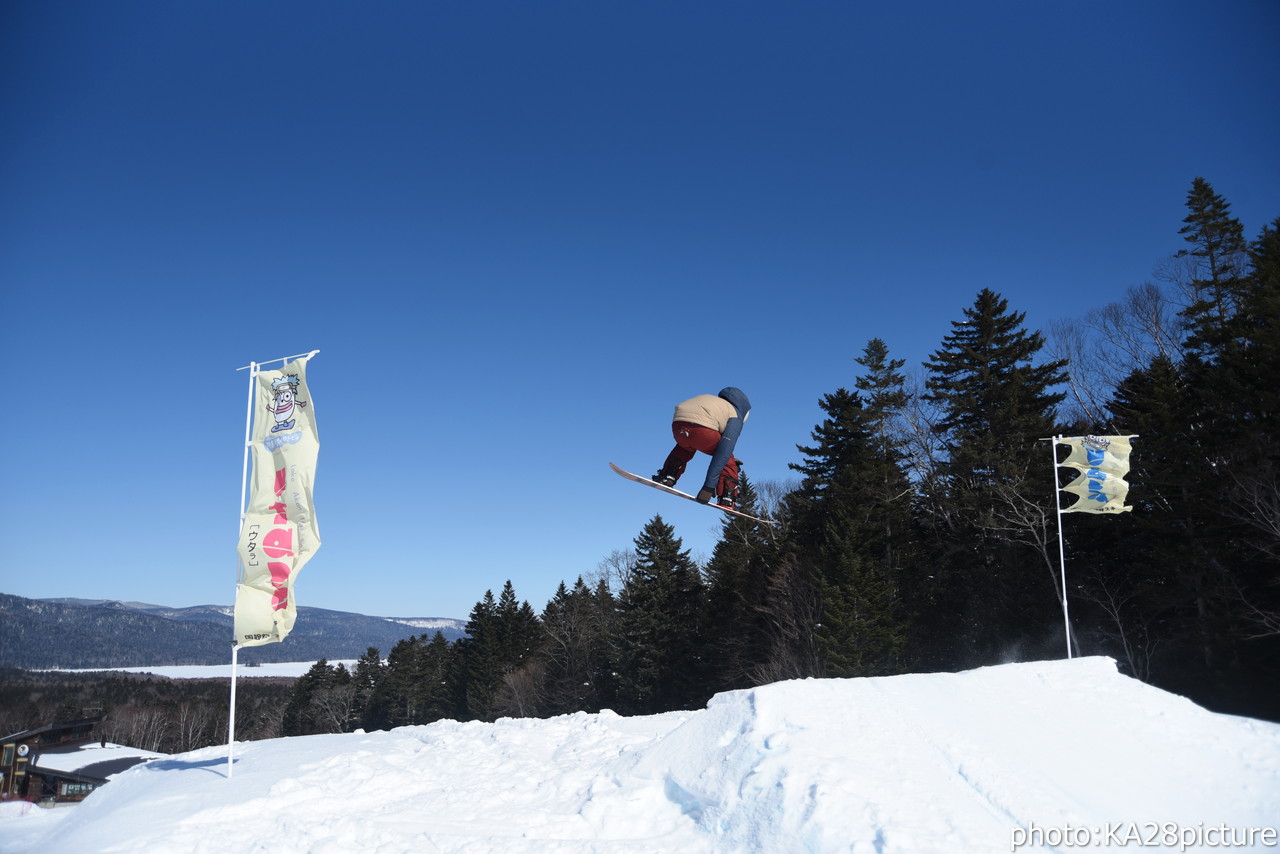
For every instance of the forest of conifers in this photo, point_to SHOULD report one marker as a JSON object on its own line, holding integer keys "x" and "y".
{"x": 921, "y": 533}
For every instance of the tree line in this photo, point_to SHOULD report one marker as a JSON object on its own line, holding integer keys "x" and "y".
{"x": 921, "y": 531}
{"x": 143, "y": 710}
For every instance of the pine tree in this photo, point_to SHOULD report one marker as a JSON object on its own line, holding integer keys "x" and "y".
{"x": 576, "y": 625}
{"x": 995, "y": 403}
{"x": 1212, "y": 455}
{"x": 739, "y": 607}
{"x": 414, "y": 688}
{"x": 843, "y": 527}
{"x": 520, "y": 638}
{"x": 301, "y": 716}
{"x": 1249, "y": 381}
{"x": 393, "y": 702}
{"x": 433, "y": 693}
{"x": 519, "y": 632}
{"x": 477, "y": 672}
{"x": 1175, "y": 584}
{"x": 369, "y": 673}
{"x": 659, "y": 626}
{"x": 1218, "y": 256}
{"x": 884, "y": 393}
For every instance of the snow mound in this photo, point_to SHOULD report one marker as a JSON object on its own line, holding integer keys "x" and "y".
{"x": 917, "y": 763}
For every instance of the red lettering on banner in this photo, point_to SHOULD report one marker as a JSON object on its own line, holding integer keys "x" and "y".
{"x": 279, "y": 572}
{"x": 279, "y": 575}
{"x": 278, "y": 543}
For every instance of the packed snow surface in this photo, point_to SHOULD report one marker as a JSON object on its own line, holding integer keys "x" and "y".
{"x": 1038, "y": 756}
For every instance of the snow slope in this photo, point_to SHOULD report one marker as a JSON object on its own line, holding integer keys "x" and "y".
{"x": 920, "y": 763}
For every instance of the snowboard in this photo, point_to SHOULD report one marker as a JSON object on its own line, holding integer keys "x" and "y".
{"x": 647, "y": 482}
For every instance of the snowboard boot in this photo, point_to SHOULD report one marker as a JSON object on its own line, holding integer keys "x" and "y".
{"x": 665, "y": 479}
{"x": 727, "y": 494}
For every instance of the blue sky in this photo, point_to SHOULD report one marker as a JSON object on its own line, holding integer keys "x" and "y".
{"x": 519, "y": 233}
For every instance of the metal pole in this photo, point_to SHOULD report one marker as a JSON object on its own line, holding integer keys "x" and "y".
{"x": 244, "y": 486}
{"x": 1062, "y": 556}
{"x": 253, "y": 368}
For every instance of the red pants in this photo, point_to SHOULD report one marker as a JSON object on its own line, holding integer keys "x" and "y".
{"x": 691, "y": 438}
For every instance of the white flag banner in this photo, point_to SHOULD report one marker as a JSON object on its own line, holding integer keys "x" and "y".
{"x": 1103, "y": 462}
{"x": 279, "y": 533}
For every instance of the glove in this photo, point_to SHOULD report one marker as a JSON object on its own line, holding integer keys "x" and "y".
{"x": 705, "y": 495}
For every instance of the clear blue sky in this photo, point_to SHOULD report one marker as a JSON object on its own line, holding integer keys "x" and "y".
{"x": 519, "y": 233}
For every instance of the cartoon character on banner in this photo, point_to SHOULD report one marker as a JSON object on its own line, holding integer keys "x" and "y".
{"x": 283, "y": 401}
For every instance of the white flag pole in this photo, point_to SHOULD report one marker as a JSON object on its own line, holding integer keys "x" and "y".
{"x": 253, "y": 368}
{"x": 1062, "y": 556}
{"x": 244, "y": 487}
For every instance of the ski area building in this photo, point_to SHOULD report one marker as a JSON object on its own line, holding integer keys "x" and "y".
{"x": 62, "y": 763}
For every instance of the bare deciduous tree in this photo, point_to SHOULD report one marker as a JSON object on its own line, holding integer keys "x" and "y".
{"x": 616, "y": 569}
{"x": 792, "y": 610}
{"x": 1111, "y": 342}
{"x": 521, "y": 692}
{"x": 1132, "y": 629}
{"x": 192, "y": 726}
{"x": 333, "y": 708}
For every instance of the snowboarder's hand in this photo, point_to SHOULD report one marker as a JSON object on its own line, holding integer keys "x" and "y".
{"x": 705, "y": 495}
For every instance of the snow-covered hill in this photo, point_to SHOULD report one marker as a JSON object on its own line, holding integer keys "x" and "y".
{"x": 1057, "y": 755}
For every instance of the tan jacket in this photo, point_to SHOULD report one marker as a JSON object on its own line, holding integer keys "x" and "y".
{"x": 706, "y": 410}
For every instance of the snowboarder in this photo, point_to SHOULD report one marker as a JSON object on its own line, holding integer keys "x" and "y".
{"x": 709, "y": 423}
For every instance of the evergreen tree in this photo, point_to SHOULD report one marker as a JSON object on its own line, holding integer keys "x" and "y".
{"x": 432, "y": 697}
{"x": 659, "y": 637}
{"x": 883, "y": 390}
{"x": 1220, "y": 376}
{"x": 1198, "y": 588}
{"x": 1218, "y": 256}
{"x": 477, "y": 674}
{"x": 369, "y": 673}
{"x": 520, "y": 638}
{"x": 739, "y": 605}
{"x": 503, "y": 636}
{"x": 604, "y": 680}
{"x": 519, "y": 633}
{"x": 301, "y": 716}
{"x": 995, "y": 403}
{"x": 396, "y": 701}
{"x": 843, "y": 515}
{"x": 576, "y": 624}
{"x": 1246, "y": 394}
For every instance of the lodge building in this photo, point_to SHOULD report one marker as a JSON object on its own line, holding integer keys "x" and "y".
{"x": 62, "y": 763}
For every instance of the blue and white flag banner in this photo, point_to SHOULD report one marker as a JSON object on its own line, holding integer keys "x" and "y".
{"x": 1103, "y": 462}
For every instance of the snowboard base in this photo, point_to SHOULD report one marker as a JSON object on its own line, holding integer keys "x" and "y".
{"x": 647, "y": 482}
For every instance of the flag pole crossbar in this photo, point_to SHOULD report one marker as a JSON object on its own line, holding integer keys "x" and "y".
{"x": 255, "y": 365}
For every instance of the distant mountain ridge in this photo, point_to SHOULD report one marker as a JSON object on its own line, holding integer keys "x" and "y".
{"x": 70, "y": 633}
